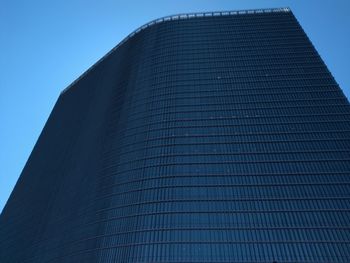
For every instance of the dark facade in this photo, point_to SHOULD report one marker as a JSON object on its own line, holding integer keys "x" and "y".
{"x": 218, "y": 137}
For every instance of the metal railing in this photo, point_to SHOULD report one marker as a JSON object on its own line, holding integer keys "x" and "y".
{"x": 178, "y": 17}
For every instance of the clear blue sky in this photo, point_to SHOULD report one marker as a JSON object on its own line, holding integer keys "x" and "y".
{"x": 45, "y": 45}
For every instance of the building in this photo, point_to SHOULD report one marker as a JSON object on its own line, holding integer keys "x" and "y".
{"x": 214, "y": 137}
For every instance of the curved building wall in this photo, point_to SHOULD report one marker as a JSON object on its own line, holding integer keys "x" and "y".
{"x": 208, "y": 139}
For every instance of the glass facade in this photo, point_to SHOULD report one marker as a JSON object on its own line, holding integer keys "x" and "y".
{"x": 201, "y": 138}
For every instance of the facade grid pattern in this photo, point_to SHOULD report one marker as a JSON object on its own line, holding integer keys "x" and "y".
{"x": 206, "y": 138}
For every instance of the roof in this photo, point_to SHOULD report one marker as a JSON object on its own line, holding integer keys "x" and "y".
{"x": 178, "y": 17}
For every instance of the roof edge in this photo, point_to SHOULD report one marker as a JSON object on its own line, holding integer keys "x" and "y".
{"x": 177, "y": 17}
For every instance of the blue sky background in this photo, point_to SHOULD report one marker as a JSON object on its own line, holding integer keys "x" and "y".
{"x": 45, "y": 45}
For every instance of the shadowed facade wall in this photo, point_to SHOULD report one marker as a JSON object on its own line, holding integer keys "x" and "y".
{"x": 208, "y": 139}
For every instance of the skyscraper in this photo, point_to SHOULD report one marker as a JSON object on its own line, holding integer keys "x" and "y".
{"x": 213, "y": 137}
